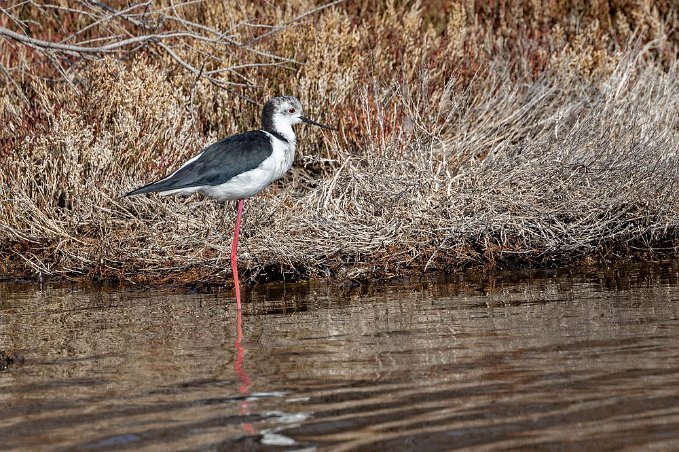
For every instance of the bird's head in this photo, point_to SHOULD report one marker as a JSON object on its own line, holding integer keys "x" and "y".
{"x": 282, "y": 112}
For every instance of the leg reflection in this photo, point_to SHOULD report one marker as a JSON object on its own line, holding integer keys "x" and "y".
{"x": 242, "y": 374}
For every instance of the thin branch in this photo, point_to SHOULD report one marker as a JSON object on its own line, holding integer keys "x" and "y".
{"x": 280, "y": 27}
{"x": 18, "y": 23}
{"x": 75, "y": 48}
{"x": 122, "y": 13}
{"x": 195, "y": 71}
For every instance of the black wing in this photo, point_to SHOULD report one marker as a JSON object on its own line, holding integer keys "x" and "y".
{"x": 217, "y": 164}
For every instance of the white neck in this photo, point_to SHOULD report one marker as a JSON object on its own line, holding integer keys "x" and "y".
{"x": 282, "y": 125}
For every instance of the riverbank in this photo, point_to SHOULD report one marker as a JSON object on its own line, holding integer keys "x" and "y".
{"x": 459, "y": 147}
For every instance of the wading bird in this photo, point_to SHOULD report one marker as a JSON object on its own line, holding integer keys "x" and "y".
{"x": 240, "y": 166}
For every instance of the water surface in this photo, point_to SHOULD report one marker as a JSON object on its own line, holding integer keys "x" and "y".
{"x": 550, "y": 360}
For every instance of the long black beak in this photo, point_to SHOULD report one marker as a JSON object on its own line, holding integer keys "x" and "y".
{"x": 309, "y": 121}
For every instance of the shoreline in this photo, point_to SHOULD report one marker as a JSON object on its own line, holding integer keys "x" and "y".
{"x": 182, "y": 282}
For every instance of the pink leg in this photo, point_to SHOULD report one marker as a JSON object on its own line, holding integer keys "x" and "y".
{"x": 234, "y": 251}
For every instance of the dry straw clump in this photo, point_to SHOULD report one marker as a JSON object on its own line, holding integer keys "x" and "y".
{"x": 470, "y": 136}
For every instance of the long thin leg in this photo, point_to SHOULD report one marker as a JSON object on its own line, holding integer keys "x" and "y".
{"x": 234, "y": 252}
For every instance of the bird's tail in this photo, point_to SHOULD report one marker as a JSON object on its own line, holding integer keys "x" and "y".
{"x": 150, "y": 188}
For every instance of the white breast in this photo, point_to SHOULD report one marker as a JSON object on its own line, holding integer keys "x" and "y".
{"x": 252, "y": 182}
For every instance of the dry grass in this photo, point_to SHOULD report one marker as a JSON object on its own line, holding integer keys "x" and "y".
{"x": 476, "y": 136}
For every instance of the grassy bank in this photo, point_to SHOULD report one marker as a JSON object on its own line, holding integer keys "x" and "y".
{"x": 470, "y": 136}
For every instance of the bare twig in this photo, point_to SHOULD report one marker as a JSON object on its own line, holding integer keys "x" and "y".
{"x": 284, "y": 25}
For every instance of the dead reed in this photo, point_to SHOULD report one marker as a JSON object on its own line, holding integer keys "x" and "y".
{"x": 471, "y": 137}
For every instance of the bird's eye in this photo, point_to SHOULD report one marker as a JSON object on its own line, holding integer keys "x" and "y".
{"x": 292, "y": 110}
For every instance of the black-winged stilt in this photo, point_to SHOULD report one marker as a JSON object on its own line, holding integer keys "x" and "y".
{"x": 240, "y": 166}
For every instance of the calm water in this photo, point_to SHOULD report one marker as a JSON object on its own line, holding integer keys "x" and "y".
{"x": 559, "y": 360}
